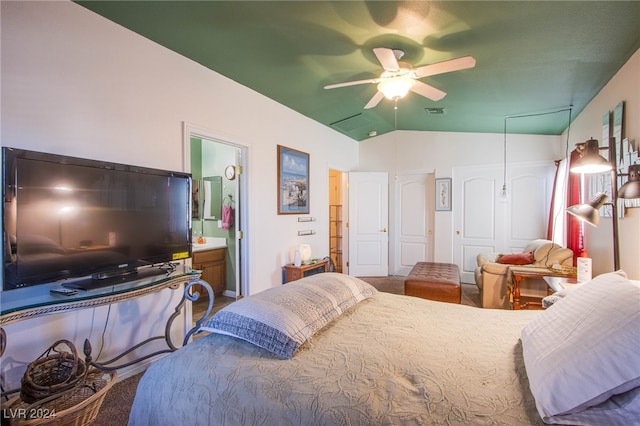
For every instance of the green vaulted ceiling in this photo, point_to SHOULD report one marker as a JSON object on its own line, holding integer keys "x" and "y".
{"x": 532, "y": 56}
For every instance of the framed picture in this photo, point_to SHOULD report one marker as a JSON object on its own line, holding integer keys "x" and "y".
{"x": 443, "y": 194}
{"x": 195, "y": 199}
{"x": 293, "y": 181}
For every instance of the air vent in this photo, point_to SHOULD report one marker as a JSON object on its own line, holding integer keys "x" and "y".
{"x": 435, "y": 111}
{"x": 352, "y": 123}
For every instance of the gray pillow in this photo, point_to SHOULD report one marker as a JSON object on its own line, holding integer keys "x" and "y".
{"x": 283, "y": 318}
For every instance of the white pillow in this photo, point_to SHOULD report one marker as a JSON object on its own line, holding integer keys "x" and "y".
{"x": 585, "y": 349}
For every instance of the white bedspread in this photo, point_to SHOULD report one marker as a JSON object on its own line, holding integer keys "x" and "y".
{"x": 392, "y": 360}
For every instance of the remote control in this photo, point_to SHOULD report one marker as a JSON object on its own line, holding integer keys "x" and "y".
{"x": 63, "y": 290}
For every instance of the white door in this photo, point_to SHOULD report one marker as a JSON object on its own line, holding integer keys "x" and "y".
{"x": 485, "y": 222}
{"x": 414, "y": 221}
{"x": 368, "y": 224}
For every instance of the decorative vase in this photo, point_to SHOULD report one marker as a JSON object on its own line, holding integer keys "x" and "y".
{"x": 297, "y": 260}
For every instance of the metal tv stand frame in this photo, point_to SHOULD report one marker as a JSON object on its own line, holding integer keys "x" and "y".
{"x": 32, "y": 302}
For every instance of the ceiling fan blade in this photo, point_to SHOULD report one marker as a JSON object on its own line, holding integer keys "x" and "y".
{"x": 352, "y": 83}
{"x": 445, "y": 66}
{"x": 375, "y": 100}
{"x": 387, "y": 58}
{"x": 427, "y": 91}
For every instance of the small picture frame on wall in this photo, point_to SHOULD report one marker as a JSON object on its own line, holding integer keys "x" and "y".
{"x": 195, "y": 199}
{"x": 443, "y": 194}
{"x": 293, "y": 181}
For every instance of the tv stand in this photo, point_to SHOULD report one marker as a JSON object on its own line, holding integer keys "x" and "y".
{"x": 31, "y": 302}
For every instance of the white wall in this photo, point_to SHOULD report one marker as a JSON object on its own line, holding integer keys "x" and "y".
{"x": 441, "y": 152}
{"x": 624, "y": 86}
{"x": 75, "y": 83}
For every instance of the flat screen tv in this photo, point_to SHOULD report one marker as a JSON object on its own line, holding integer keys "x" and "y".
{"x": 89, "y": 223}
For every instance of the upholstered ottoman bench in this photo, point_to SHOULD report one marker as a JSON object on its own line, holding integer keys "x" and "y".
{"x": 434, "y": 281}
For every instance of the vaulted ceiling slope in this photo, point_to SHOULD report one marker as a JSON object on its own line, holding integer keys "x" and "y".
{"x": 531, "y": 56}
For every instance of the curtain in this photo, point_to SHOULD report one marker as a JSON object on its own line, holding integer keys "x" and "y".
{"x": 553, "y": 204}
{"x": 556, "y": 227}
{"x": 575, "y": 230}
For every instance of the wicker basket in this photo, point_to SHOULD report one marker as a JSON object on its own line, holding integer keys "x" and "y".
{"x": 53, "y": 372}
{"x": 76, "y": 406}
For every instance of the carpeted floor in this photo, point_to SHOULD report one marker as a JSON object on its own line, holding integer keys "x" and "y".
{"x": 117, "y": 404}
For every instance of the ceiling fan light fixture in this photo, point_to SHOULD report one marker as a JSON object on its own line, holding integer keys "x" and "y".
{"x": 395, "y": 87}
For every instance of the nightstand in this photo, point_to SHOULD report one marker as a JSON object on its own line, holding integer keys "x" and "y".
{"x": 292, "y": 273}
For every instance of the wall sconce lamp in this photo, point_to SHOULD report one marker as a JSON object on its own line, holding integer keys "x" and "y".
{"x": 589, "y": 212}
{"x": 631, "y": 189}
{"x": 591, "y": 161}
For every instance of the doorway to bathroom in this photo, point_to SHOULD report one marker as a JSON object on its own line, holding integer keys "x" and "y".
{"x": 217, "y": 165}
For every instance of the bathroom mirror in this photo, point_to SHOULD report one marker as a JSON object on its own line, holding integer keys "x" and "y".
{"x": 212, "y": 197}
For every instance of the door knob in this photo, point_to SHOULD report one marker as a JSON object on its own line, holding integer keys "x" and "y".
{"x": 383, "y": 230}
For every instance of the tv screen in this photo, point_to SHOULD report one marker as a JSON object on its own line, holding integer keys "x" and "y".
{"x": 67, "y": 217}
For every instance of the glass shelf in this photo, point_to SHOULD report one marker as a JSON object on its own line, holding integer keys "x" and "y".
{"x": 39, "y": 296}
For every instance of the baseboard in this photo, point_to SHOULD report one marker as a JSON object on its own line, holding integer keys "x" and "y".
{"x": 229, "y": 293}
{"x": 140, "y": 367}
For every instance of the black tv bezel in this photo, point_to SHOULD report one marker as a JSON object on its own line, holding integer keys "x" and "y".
{"x": 89, "y": 277}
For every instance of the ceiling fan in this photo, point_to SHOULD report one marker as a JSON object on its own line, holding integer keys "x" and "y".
{"x": 398, "y": 78}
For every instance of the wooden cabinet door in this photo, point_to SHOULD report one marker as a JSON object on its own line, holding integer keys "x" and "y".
{"x": 214, "y": 274}
{"x": 212, "y": 265}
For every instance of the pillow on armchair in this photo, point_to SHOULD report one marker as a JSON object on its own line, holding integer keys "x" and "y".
{"x": 516, "y": 258}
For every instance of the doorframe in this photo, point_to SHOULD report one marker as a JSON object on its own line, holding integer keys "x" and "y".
{"x": 344, "y": 200}
{"x": 242, "y": 212}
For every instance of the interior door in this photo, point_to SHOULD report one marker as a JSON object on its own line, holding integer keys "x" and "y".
{"x": 414, "y": 221}
{"x": 368, "y": 224}
{"x": 478, "y": 217}
{"x": 486, "y": 222}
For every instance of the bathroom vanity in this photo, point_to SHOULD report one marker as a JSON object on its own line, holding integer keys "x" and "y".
{"x": 210, "y": 258}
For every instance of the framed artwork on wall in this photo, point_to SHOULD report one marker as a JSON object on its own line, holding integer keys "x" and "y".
{"x": 293, "y": 181}
{"x": 443, "y": 194}
{"x": 195, "y": 199}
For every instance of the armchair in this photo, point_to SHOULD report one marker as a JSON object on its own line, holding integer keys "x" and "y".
{"x": 493, "y": 278}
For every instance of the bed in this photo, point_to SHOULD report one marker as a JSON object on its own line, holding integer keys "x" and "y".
{"x": 331, "y": 350}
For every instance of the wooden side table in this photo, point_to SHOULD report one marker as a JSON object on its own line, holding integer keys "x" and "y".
{"x": 519, "y": 273}
{"x": 292, "y": 273}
